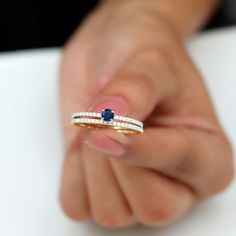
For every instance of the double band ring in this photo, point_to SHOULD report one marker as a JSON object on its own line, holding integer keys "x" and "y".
{"x": 107, "y": 119}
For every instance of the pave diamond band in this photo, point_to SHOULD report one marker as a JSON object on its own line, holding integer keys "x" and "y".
{"x": 98, "y": 115}
{"x": 107, "y": 119}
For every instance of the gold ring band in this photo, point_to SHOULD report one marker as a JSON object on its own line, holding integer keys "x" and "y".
{"x": 107, "y": 119}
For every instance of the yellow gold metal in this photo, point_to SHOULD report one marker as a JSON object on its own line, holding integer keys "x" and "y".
{"x": 118, "y": 129}
{"x": 93, "y": 120}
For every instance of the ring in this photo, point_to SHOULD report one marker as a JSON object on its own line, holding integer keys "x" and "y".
{"x": 107, "y": 119}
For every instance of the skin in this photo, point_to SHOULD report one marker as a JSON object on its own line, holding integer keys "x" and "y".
{"x": 130, "y": 56}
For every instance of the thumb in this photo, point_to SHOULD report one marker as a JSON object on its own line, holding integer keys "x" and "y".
{"x": 144, "y": 82}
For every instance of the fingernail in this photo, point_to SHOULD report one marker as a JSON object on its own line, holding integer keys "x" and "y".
{"x": 108, "y": 142}
{"x": 115, "y": 103}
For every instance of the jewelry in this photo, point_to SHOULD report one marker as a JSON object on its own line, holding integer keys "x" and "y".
{"x": 107, "y": 119}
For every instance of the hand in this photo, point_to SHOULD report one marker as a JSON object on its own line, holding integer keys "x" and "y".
{"x": 136, "y": 65}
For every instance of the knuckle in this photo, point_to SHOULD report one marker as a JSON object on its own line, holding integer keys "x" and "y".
{"x": 156, "y": 213}
{"x": 141, "y": 84}
{"x": 74, "y": 213}
{"x": 157, "y": 57}
{"x": 219, "y": 171}
{"x": 111, "y": 219}
{"x": 142, "y": 88}
{"x": 226, "y": 171}
{"x": 224, "y": 181}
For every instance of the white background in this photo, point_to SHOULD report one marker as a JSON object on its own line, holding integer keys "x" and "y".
{"x": 31, "y": 145}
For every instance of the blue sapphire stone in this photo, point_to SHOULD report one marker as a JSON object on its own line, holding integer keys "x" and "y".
{"x": 107, "y": 115}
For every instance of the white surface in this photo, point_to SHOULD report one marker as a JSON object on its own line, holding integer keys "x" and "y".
{"x": 31, "y": 153}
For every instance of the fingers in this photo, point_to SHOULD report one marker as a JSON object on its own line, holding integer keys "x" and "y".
{"x": 155, "y": 200}
{"x": 75, "y": 87}
{"x": 109, "y": 207}
{"x": 199, "y": 159}
{"x": 73, "y": 193}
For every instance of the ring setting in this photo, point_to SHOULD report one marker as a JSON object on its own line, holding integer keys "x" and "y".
{"x": 107, "y": 119}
